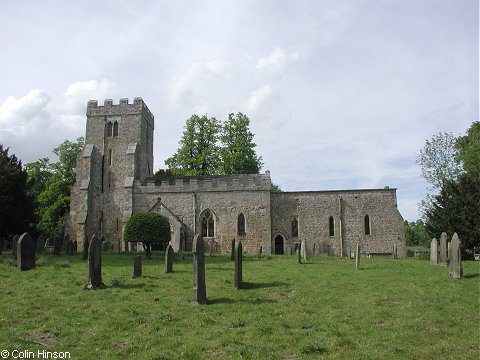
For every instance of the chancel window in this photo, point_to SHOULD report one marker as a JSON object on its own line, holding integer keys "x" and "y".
{"x": 241, "y": 225}
{"x": 331, "y": 226}
{"x": 367, "y": 225}
{"x": 208, "y": 224}
{"x": 295, "y": 227}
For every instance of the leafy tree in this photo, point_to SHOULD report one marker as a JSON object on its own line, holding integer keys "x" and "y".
{"x": 238, "y": 149}
{"x": 198, "y": 153}
{"x": 276, "y": 188}
{"x": 468, "y": 148}
{"x": 416, "y": 233}
{"x": 147, "y": 228}
{"x": 16, "y": 210}
{"x": 50, "y": 185}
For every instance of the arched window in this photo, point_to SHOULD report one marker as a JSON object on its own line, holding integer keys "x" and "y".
{"x": 115, "y": 129}
{"x": 208, "y": 224}
{"x": 331, "y": 226}
{"x": 109, "y": 128}
{"x": 109, "y": 157}
{"x": 241, "y": 225}
{"x": 295, "y": 227}
{"x": 367, "y": 225}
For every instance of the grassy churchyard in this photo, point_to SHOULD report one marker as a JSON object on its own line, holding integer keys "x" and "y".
{"x": 323, "y": 308}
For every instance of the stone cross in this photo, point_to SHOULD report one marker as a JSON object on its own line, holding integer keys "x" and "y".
{"x": 232, "y": 250}
{"x": 95, "y": 264}
{"x": 238, "y": 265}
{"x": 357, "y": 256}
{"x": 25, "y": 252}
{"x": 443, "y": 249}
{"x": 137, "y": 266}
{"x": 303, "y": 249}
{"x": 455, "y": 268}
{"x": 14, "y": 246}
{"x": 434, "y": 252}
{"x": 169, "y": 259}
{"x": 199, "y": 288}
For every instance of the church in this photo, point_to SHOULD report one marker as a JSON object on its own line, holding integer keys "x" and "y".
{"x": 115, "y": 180}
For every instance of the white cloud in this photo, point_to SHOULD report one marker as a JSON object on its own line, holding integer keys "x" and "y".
{"x": 278, "y": 59}
{"x": 78, "y": 94}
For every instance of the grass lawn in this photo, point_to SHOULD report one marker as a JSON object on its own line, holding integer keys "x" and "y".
{"x": 390, "y": 309}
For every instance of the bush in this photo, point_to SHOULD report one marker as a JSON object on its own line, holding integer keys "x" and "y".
{"x": 147, "y": 228}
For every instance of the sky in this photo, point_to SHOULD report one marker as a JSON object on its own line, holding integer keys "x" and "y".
{"x": 340, "y": 94}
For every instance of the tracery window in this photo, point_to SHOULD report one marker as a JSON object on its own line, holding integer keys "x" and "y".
{"x": 208, "y": 224}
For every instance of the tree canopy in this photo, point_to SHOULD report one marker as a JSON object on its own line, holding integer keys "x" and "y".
{"x": 209, "y": 147}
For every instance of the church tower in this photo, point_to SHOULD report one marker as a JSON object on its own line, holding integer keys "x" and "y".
{"x": 118, "y": 152}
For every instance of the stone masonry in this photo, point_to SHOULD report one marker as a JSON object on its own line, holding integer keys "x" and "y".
{"x": 114, "y": 180}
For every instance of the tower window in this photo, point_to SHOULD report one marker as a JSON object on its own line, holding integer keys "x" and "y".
{"x": 109, "y": 129}
{"x": 115, "y": 129}
{"x": 331, "y": 226}
{"x": 295, "y": 227}
{"x": 208, "y": 224}
{"x": 367, "y": 225}
{"x": 241, "y": 225}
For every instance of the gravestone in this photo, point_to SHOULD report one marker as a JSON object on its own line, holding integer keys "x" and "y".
{"x": 14, "y": 246}
{"x": 169, "y": 259}
{"x": 394, "y": 251}
{"x": 455, "y": 268}
{"x": 238, "y": 265}
{"x": 179, "y": 255}
{"x": 66, "y": 240}
{"x": 25, "y": 252}
{"x": 303, "y": 249}
{"x": 40, "y": 247}
{"x": 434, "y": 252}
{"x": 69, "y": 248}
{"x": 137, "y": 266}
{"x": 95, "y": 264}
{"x": 443, "y": 249}
{"x": 448, "y": 252}
{"x": 199, "y": 288}
{"x": 232, "y": 250}
{"x": 357, "y": 256}
{"x": 299, "y": 255}
{"x": 75, "y": 246}
{"x": 57, "y": 245}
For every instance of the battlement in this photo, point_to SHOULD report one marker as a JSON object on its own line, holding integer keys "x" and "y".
{"x": 242, "y": 182}
{"x": 123, "y": 108}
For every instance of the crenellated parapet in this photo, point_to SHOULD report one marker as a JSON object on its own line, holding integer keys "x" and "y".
{"x": 122, "y": 108}
{"x": 242, "y": 182}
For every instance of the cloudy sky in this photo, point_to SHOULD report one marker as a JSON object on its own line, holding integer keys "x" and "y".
{"x": 341, "y": 94}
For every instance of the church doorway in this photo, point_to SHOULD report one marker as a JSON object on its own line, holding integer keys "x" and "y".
{"x": 279, "y": 249}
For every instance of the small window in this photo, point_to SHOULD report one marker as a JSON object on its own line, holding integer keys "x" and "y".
{"x": 331, "y": 226}
{"x": 241, "y": 225}
{"x": 295, "y": 227}
{"x": 208, "y": 224}
{"x": 109, "y": 129}
{"x": 109, "y": 157}
{"x": 367, "y": 225}
{"x": 115, "y": 129}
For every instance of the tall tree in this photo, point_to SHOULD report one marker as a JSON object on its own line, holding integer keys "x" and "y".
{"x": 198, "y": 153}
{"x": 468, "y": 147}
{"x": 16, "y": 210}
{"x": 238, "y": 149}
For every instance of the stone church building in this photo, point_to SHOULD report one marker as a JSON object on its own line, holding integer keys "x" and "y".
{"x": 115, "y": 180}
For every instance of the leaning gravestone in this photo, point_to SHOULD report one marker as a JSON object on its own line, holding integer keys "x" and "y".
{"x": 199, "y": 288}
{"x": 169, "y": 259}
{"x": 455, "y": 268}
{"x": 434, "y": 252}
{"x": 238, "y": 265}
{"x": 303, "y": 249}
{"x": 40, "y": 247}
{"x": 357, "y": 256}
{"x": 25, "y": 252}
{"x": 232, "y": 250}
{"x": 137, "y": 266}
{"x": 95, "y": 264}
{"x": 14, "y": 246}
{"x": 443, "y": 249}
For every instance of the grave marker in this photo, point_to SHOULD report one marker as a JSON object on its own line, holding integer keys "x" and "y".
{"x": 434, "y": 252}
{"x": 169, "y": 259}
{"x": 357, "y": 256}
{"x": 25, "y": 252}
{"x": 137, "y": 266}
{"x": 455, "y": 268}
{"x": 95, "y": 264}
{"x": 238, "y": 265}
{"x": 199, "y": 288}
{"x": 443, "y": 249}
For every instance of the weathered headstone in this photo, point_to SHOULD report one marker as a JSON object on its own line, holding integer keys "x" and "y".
{"x": 443, "y": 249}
{"x": 394, "y": 251}
{"x": 299, "y": 254}
{"x": 25, "y": 252}
{"x": 75, "y": 246}
{"x": 303, "y": 249}
{"x": 357, "y": 256}
{"x": 455, "y": 268}
{"x": 169, "y": 259}
{"x": 57, "y": 245}
{"x": 40, "y": 247}
{"x": 232, "y": 250}
{"x": 14, "y": 246}
{"x": 95, "y": 264}
{"x": 179, "y": 255}
{"x": 199, "y": 288}
{"x": 238, "y": 265}
{"x": 448, "y": 252}
{"x": 69, "y": 248}
{"x": 137, "y": 266}
{"x": 434, "y": 252}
